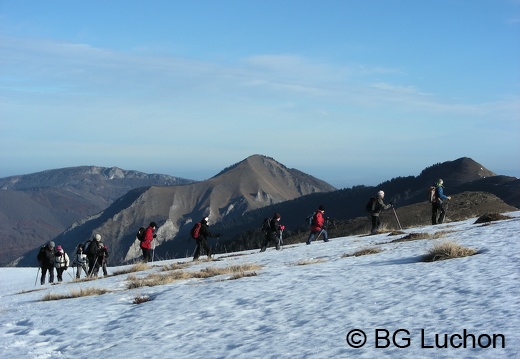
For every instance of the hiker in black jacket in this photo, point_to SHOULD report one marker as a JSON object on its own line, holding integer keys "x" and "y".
{"x": 101, "y": 259}
{"x": 202, "y": 240}
{"x": 46, "y": 261}
{"x": 273, "y": 232}
{"x": 378, "y": 206}
{"x": 91, "y": 253}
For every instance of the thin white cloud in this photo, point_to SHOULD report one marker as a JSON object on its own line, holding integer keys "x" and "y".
{"x": 79, "y": 93}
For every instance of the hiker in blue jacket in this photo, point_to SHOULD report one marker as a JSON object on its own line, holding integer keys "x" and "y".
{"x": 439, "y": 204}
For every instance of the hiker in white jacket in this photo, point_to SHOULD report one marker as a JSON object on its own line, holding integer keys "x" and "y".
{"x": 80, "y": 261}
{"x": 61, "y": 262}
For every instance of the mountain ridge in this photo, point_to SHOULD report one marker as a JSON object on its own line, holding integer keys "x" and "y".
{"x": 253, "y": 183}
{"x": 241, "y": 194}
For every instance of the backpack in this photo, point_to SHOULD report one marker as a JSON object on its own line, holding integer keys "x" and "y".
{"x": 140, "y": 234}
{"x": 266, "y": 225}
{"x": 432, "y": 194}
{"x": 195, "y": 230}
{"x": 371, "y": 205}
{"x": 310, "y": 219}
{"x": 86, "y": 246}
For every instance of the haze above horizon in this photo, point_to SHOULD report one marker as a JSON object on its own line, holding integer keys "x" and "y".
{"x": 349, "y": 92}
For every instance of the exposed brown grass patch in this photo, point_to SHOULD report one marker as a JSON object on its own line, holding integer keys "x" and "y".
{"x": 242, "y": 275}
{"x": 155, "y": 279}
{"x": 138, "y": 267}
{"x": 85, "y": 279}
{"x": 83, "y": 292}
{"x": 310, "y": 261}
{"x": 363, "y": 252}
{"x": 491, "y": 217}
{"x": 30, "y": 291}
{"x": 175, "y": 266}
{"x": 448, "y": 250}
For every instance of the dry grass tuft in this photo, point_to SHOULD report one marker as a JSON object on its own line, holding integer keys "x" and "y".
{"x": 242, "y": 275}
{"x": 85, "y": 279}
{"x": 155, "y": 279}
{"x": 363, "y": 252}
{"x": 138, "y": 267}
{"x": 84, "y": 292}
{"x": 175, "y": 266}
{"x": 448, "y": 250}
{"x": 310, "y": 261}
{"x": 490, "y": 217}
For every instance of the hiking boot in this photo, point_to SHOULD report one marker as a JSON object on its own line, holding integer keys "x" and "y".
{"x": 263, "y": 249}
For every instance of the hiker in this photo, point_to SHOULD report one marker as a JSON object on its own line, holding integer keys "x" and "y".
{"x": 92, "y": 252}
{"x": 146, "y": 243}
{"x": 80, "y": 261}
{"x": 61, "y": 262}
{"x": 46, "y": 261}
{"x": 378, "y": 206}
{"x": 101, "y": 260}
{"x": 318, "y": 226}
{"x": 202, "y": 239}
{"x": 438, "y": 205}
{"x": 273, "y": 232}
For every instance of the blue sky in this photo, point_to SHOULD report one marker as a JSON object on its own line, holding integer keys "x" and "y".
{"x": 351, "y": 92}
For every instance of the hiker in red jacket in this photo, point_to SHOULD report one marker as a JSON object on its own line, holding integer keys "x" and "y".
{"x": 317, "y": 226}
{"x": 146, "y": 244}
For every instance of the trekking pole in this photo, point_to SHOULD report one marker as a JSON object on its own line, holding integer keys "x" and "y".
{"x": 71, "y": 277}
{"x": 37, "y": 274}
{"x": 319, "y": 234}
{"x": 91, "y": 270}
{"x": 153, "y": 249}
{"x": 280, "y": 240}
{"x": 399, "y": 223}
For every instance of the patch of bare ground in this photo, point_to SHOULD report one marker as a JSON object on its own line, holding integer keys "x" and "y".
{"x": 491, "y": 217}
{"x": 141, "y": 299}
{"x": 418, "y": 236}
{"x": 395, "y": 233}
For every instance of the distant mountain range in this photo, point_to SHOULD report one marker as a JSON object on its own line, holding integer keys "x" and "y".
{"x": 235, "y": 200}
{"x": 37, "y": 207}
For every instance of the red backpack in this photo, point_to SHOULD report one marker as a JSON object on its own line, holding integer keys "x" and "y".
{"x": 195, "y": 230}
